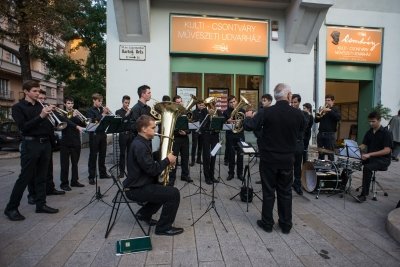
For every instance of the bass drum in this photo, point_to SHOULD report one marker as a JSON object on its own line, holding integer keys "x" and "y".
{"x": 319, "y": 175}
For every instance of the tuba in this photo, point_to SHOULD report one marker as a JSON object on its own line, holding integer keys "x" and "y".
{"x": 239, "y": 116}
{"x": 193, "y": 101}
{"x": 154, "y": 113}
{"x": 211, "y": 104}
{"x": 169, "y": 113}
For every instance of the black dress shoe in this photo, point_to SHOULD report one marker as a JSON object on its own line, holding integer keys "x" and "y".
{"x": 187, "y": 179}
{"x": 214, "y": 180}
{"x": 105, "y": 176}
{"x": 258, "y": 182}
{"x": 121, "y": 175}
{"x": 265, "y": 227}
{"x": 91, "y": 181}
{"x": 31, "y": 200}
{"x": 226, "y": 163}
{"x": 150, "y": 221}
{"x": 55, "y": 192}
{"x": 209, "y": 181}
{"x": 298, "y": 190}
{"x": 192, "y": 164}
{"x": 171, "y": 231}
{"x": 230, "y": 177}
{"x": 285, "y": 229}
{"x": 240, "y": 177}
{"x": 46, "y": 209}
{"x": 14, "y": 215}
{"x": 362, "y": 198}
{"x": 77, "y": 184}
{"x": 65, "y": 187}
{"x": 199, "y": 161}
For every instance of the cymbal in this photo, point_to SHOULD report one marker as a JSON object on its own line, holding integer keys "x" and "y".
{"x": 324, "y": 150}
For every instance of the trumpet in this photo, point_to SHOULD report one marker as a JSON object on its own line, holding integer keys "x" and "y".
{"x": 59, "y": 125}
{"x": 321, "y": 112}
{"x": 109, "y": 111}
{"x": 69, "y": 114}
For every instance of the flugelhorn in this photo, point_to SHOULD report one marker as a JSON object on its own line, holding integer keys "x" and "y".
{"x": 239, "y": 116}
{"x": 193, "y": 101}
{"x": 321, "y": 112}
{"x": 54, "y": 120}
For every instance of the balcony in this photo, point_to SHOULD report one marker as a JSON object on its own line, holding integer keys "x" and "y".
{"x": 8, "y": 96}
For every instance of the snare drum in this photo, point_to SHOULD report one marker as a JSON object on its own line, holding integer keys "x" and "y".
{"x": 319, "y": 175}
{"x": 349, "y": 164}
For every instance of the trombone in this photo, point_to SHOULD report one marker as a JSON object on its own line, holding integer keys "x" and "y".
{"x": 70, "y": 114}
{"x": 59, "y": 125}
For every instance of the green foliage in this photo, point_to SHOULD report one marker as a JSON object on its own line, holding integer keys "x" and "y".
{"x": 384, "y": 111}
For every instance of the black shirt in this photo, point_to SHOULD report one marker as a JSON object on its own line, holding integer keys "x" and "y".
{"x": 378, "y": 141}
{"x": 29, "y": 122}
{"x": 329, "y": 121}
{"x": 95, "y": 114}
{"x": 307, "y": 131}
{"x": 142, "y": 169}
{"x": 227, "y": 114}
{"x": 125, "y": 119}
{"x": 199, "y": 114}
{"x": 138, "y": 110}
{"x": 280, "y": 126}
{"x": 70, "y": 135}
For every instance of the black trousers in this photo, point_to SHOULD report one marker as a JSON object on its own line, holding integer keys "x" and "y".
{"x": 156, "y": 196}
{"x": 97, "y": 146}
{"x": 306, "y": 144}
{"x": 370, "y": 165}
{"x": 197, "y": 145}
{"x": 50, "y": 186}
{"x": 125, "y": 140}
{"x": 35, "y": 159}
{"x": 298, "y": 162}
{"x": 279, "y": 180}
{"x": 181, "y": 147}
{"x": 209, "y": 141}
{"x": 326, "y": 140}
{"x": 67, "y": 153}
{"x": 233, "y": 150}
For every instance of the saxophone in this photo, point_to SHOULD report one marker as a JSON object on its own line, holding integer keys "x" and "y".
{"x": 169, "y": 113}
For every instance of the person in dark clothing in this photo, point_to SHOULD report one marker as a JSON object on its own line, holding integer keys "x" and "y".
{"x": 181, "y": 147}
{"x": 298, "y": 155}
{"x": 140, "y": 108}
{"x": 281, "y": 125}
{"x": 142, "y": 184}
{"x": 97, "y": 141}
{"x": 307, "y": 133}
{"x": 378, "y": 144}
{"x": 166, "y": 98}
{"x": 70, "y": 146}
{"x": 198, "y": 115}
{"x": 266, "y": 102}
{"x": 232, "y": 140}
{"x": 124, "y": 137}
{"x": 328, "y": 118}
{"x": 36, "y": 129}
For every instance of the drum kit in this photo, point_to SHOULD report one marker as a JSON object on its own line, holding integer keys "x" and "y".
{"x": 325, "y": 175}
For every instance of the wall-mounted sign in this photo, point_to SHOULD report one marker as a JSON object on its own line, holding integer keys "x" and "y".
{"x": 218, "y": 36}
{"x": 222, "y": 97}
{"x": 359, "y": 45}
{"x": 132, "y": 52}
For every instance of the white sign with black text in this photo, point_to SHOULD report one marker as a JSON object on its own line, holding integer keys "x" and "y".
{"x": 132, "y": 52}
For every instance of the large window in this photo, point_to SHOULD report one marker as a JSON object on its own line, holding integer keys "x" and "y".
{"x": 4, "y": 89}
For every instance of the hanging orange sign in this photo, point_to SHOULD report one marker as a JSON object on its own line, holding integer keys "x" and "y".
{"x": 358, "y": 45}
{"x": 217, "y": 36}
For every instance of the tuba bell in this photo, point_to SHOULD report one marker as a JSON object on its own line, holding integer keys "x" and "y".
{"x": 154, "y": 113}
{"x": 239, "y": 116}
{"x": 211, "y": 104}
{"x": 169, "y": 113}
{"x": 193, "y": 101}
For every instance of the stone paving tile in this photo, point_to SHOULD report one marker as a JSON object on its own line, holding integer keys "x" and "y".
{"x": 80, "y": 259}
{"x": 185, "y": 257}
{"x": 59, "y": 254}
{"x": 26, "y": 261}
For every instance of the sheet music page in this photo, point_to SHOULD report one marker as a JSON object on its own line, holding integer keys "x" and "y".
{"x": 215, "y": 149}
{"x": 91, "y": 127}
{"x": 248, "y": 150}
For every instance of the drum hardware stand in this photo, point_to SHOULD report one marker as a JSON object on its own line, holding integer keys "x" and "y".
{"x": 247, "y": 179}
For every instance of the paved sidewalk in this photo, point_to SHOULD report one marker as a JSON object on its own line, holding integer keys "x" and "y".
{"x": 329, "y": 231}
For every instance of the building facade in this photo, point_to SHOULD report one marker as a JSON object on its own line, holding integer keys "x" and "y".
{"x": 221, "y": 47}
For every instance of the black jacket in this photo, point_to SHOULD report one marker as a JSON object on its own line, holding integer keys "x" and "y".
{"x": 328, "y": 122}
{"x": 70, "y": 135}
{"x": 138, "y": 109}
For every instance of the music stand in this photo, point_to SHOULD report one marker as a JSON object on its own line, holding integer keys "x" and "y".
{"x": 216, "y": 124}
{"x": 247, "y": 149}
{"x": 102, "y": 127}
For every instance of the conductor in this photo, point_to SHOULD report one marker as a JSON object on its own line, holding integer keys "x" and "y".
{"x": 142, "y": 180}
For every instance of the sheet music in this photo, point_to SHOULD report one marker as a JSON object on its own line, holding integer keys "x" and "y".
{"x": 248, "y": 150}
{"x": 227, "y": 127}
{"x": 194, "y": 125}
{"x": 215, "y": 149}
{"x": 91, "y": 127}
{"x": 351, "y": 149}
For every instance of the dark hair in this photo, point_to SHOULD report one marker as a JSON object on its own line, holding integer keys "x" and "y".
{"x": 267, "y": 96}
{"x": 166, "y": 98}
{"x": 296, "y": 96}
{"x": 29, "y": 84}
{"x": 332, "y": 97}
{"x": 126, "y": 97}
{"x": 176, "y": 97}
{"x": 142, "y": 89}
{"x": 374, "y": 115}
{"x": 42, "y": 92}
{"x": 97, "y": 96}
{"x": 308, "y": 106}
{"x": 68, "y": 98}
{"x": 143, "y": 121}
{"x": 231, "y": 97}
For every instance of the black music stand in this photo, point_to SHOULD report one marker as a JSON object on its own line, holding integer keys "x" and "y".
{"x": 247, "y": 149}
{"x": 107, "y": 122}
{"x": 216, "y": 124}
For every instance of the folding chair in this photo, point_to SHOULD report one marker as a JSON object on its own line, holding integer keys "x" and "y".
{"x": 119, "y": 198}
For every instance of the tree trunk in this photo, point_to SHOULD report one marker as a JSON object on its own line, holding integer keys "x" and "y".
{"x": 25, "y": 61}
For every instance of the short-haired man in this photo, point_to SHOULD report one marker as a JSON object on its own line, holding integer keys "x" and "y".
{"x": 378, "y": 145}
{"x": 266, "y": 100}
{"x": 98, "y": 140}
{"x": 280, "y": 126}
{"x": 328, "y": 118}
{"x": 70, "y": 146}
{"x": 141, "y": 107}
{"x": 141, "y": 183}
{"x": 36, "y": 129}
{"x": 197, "y": 143}
{"x": 124, "y": 137}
